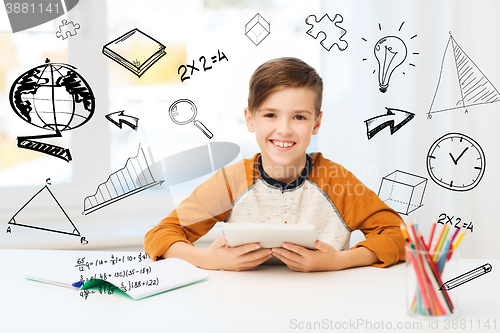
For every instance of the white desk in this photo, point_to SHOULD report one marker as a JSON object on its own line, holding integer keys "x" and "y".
{"x": 268, "y": 299}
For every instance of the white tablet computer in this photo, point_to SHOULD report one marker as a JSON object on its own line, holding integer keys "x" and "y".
{"x": 270, "y": 235}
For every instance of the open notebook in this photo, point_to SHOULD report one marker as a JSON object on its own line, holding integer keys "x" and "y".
{"x": 138, "y": 280}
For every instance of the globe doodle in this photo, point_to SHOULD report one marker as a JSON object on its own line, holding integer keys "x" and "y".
{"x": 54, "y": 97}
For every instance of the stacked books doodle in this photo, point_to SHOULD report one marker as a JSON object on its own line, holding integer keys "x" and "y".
{"x": 135, "y": 51}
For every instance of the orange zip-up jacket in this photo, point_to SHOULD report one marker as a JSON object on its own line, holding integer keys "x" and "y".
{"x": 325, "y": 194}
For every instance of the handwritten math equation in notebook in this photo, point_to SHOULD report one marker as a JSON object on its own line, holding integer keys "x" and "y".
{"x": 113, "y": 262}
{"x": 83, "y": 263}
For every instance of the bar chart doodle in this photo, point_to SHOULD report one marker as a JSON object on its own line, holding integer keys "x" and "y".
{"x": 461, "y": 83}
{"x": 60, "y": 224}
{"x": 134, "y": 177}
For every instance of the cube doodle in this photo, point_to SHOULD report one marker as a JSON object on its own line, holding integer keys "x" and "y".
{"x": 67, "y": 29}
{"x": 402, "y": 191}
{"x": 330, "y": 29}
{"x": 257, "y": 29}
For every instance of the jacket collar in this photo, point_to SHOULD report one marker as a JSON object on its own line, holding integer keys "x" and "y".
{"x": 284, "y": 186}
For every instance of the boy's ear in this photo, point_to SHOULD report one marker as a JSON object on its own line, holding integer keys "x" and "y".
{"x": 317, "y": 123}
{"x": 249, "y": 120}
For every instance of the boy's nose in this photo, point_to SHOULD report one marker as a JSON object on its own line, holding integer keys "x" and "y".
{"x": 284, "y": 127}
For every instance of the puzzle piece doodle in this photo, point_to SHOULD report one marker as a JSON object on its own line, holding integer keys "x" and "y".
{"x": 329, "y": 29}
{"x": 67, "y": 29}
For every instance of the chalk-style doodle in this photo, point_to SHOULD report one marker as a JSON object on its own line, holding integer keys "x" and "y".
{"x": 184, "y": 68}
{"x": 402, "y": 191}
{"x": 464, "y": 83}
{"x": 394, "y": 118}
{"x": 257, "y": 29}
{"x": 390, "y": 52}
{"x": 135, "y": 51}
{"x": 123, "y": 183}
{"x": 119, "y": 118}
{"x": 333, "y": 33}
{"x": 444, "y": 219}
{"x": 197, "y": 162}
{"x": 61, "y": 224}
{"x": 53, "y": 97}
{"x": 183, "y": 111}
{"x": 466, "y": 277}
{"x": 28, "y": 14}
{"x": 67, "y": 29}
{"x": 456, "y": 162}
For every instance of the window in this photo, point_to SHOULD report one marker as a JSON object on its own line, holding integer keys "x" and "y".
{"x": 189, "y": 30}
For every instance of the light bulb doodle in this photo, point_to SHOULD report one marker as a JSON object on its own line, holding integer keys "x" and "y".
{"x": 390, "y": 52}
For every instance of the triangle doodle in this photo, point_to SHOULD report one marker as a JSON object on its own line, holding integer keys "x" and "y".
{"x": 461, "y": 83}
{"x": 58, "y": 224}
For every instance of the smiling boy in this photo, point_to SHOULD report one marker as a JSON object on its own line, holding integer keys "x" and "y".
{"x": 281, "y": 184}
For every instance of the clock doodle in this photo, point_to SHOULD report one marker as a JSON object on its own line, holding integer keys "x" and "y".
{"x": 456, "y": 162}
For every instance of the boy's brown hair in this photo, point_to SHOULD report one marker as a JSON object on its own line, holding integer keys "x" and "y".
{"x": 280, "y": 73}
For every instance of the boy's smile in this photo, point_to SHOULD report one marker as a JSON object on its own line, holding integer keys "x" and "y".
{"x": 283, "y": 126}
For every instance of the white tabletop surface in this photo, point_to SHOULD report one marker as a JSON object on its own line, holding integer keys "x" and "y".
{"x": 267, "y": 299}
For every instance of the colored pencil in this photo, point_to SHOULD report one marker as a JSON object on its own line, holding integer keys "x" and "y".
{"x": 440, "y": 236}
{"x": 430, "y": 297}
{"x": 458, "y": 239}
{"x": 432, "y": 233}
{"x": 444, "y": 256}
{"x": 436, "y": 274}
{"x": 418, "y": 255}
{"x": 441, "y": 239}
{"x": 420, "y": 280}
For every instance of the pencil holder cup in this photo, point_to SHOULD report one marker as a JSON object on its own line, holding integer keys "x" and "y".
{"x": 428, "y": 296}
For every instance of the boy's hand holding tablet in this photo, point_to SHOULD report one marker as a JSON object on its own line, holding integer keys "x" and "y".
{"x": 296, "y": 245}
{"x": 240, "y": 258}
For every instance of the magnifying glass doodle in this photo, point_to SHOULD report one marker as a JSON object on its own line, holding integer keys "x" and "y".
{"x": 183, "y": 111}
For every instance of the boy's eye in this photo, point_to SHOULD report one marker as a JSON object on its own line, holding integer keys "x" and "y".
{"x": 270, "y": 115}
{"x": 299, "y": 117}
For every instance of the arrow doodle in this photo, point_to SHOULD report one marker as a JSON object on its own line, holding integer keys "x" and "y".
{"x": 395, "y": 118}
{"x": 119, "y": 118}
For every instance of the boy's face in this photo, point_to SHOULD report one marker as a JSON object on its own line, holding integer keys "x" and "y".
{"x": 283, "y": 125}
